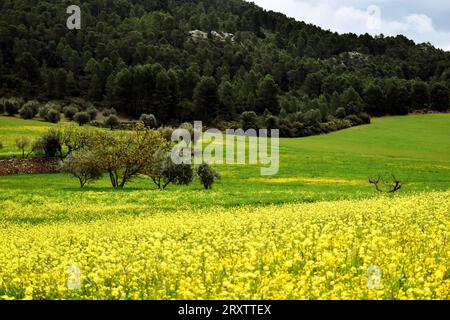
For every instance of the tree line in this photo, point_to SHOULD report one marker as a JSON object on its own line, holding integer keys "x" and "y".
{"x": 138, "y": 57}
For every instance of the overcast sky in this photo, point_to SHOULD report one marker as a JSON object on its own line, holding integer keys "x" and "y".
{"x": 420, "y": 20}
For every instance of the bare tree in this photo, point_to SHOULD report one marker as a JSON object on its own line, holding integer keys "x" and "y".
{"x": 382, "y": 185}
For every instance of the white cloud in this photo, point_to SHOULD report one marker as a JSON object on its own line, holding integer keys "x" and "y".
{"x": 345, "y": 16}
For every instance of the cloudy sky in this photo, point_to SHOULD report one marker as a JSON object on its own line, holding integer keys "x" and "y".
{"x": 422, "y": 21}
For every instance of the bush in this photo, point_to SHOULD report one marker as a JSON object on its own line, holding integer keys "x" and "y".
{"x": 48, "y": 145}
{"x": 27, "y": 112}
{"x": 53, "y": 116}
{"x": 30, "y": 109}
{"x": 1, "y": 145}
{"x": 83, "y": 165}
{"x": 112, "y": 122}
{"x": 271, "y": 122}
{"x": 166, "y": 132}
{"x": 70, "y": 111}
{"x": 164, "y": 172}
{"x": 12, "y": 106}
{"x": 81, "y": 118}
{"x": 365, "y": 118}
{"x": 42, "y": 113}
{"x": 92, "y": 112}
{"x": 207, "y": 175}
{"x": 109, "y": 111}
{"x": 341, "y": 113}
{"x": 354, "y": 119}
{"x": 249, "y": 120}
{"x": 149, "y": 120}
{"x": 2, "y": 106}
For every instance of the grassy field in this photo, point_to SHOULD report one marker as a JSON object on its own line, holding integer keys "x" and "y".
{"x": 47, "y": 223}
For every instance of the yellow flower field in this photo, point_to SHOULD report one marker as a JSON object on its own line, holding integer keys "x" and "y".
{"x": 383, "y": 248}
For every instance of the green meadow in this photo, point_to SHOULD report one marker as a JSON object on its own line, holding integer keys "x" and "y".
{"x": 416, "y": 149}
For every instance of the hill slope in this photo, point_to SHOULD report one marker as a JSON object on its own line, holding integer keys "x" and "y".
{"x": 139, "y": 56}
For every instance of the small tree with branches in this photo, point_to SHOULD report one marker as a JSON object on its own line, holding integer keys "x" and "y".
{"x": 386, "y": 185}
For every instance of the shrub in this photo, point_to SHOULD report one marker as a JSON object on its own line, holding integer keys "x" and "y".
{"x": 271, "y": 122}
{"x": 53, "y": 116}
{"x": 207, "y": 175}
{"x": 82, "y": 165}
{"x": 149, "y": 120}
{"x": 92, "y": 112}
{"x": 70, "y": 111}
{"x": 112, "y": 122}
{"x": 365, "y": 118}
{"x": 341, "y": 113}
{"x": 164, "y": 172}
{"x": 109, "y": 111}
{"x": 48, "y": 145}
{"x": 81, "y": 118}
{"x": 22, "y": 143}
{"x": 2, "y": 106}
{"x": 1, "y": 145}
{"x": 249, "y": 120}
{"x": 30, "y": 109}
{"x": 12, "y": 106}
{"x": 355, "y": 120}
{"x": 166, "y": 132}
{"x": 27, "y": 112}
{"x": 42, "y": 113}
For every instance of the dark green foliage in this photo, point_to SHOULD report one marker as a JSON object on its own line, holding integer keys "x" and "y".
{"x": 206, "y": 100}
{"x": 112, "y": 122}
{"x": 266, "y": 95}
{"x": 164, "y": 172}
{"x": 109, "y": 111}
{"x": 12, "y": 106}
{"x": 70, "y": 111}
{"x": 149, "y": 120}
{"x": 81, "y": 118}
{"x": 207, "y": 175}
{"x": 29, "y": 109}
{"x": 249, "y": 120}
{"x": 137, "y": 56}
{"x": 48, "y": 145}
{"x": 341, "y": 113}
{"x": 53, "y": 116}
{"x": 439, "y": 97}
{"x": 92, "y": 112}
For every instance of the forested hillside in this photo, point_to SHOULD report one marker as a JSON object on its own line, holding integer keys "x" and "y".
{"x": 216, "y": 61}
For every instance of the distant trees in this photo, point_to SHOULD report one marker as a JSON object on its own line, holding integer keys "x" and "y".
{"x": 272, "y": 63}
{"x": 149, "y": 120}
{"x": 267, "y": 95}
{"x": 206, "y": 99}
{"x": 112, "y": 122}
{"x": 81, "y": 118}
{"x": 440, "y": 99}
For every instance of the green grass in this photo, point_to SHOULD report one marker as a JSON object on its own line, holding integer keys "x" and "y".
{"x": 330, "y": 167}
{"x": 12, "y": 128}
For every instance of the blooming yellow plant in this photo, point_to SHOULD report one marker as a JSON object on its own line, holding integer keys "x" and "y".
{"x": 383, "y": 248}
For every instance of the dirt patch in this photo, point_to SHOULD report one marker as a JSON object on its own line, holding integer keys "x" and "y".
{"x": 28, "y": 166}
